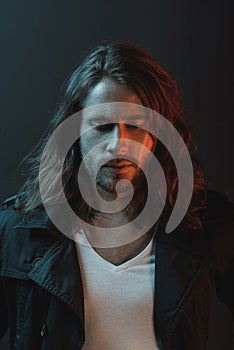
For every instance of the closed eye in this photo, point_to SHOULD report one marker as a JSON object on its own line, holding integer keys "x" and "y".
{"x": 110, "y": 126}
{"x": 105, "y": 127}
{"x": 130, "y": 126}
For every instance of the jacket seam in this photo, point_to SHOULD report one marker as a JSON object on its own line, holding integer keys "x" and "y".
{"x": 6, "y": 272}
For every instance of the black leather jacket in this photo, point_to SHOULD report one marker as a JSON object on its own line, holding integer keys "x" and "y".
{"x": 41, "y": 295}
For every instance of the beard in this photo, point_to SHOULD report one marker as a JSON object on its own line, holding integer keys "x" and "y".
{"x": 107, "y": 180}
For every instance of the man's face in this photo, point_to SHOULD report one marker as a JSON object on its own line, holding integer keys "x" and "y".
{"x": 109, "y": 137}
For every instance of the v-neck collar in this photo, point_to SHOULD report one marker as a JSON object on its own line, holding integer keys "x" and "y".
{"x": 82, "y": 240}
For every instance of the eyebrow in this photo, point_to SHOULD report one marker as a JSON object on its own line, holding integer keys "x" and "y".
{"x": 106, "y": 118}
{"x": 98, "y": 118}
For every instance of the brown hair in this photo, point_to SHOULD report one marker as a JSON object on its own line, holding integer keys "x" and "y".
{"x": 131, "y": 67}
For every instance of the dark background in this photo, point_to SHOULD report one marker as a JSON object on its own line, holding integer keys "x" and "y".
{"x": 41, "y": 43}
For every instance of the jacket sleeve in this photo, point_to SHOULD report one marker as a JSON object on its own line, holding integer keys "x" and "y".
{"x": 223, "y": 252}
{"x": 3, "y": 310}
{"x": 3, "y": 301}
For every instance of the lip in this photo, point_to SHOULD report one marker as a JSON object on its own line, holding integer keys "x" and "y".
{"x": 118, "y": 164}
{"x": 120, "y": 168}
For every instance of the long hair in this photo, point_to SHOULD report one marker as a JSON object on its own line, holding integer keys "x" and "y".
{"x": 135, "y": 69}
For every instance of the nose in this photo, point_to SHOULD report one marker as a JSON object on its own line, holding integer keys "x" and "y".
{"x": 116, "y": 143}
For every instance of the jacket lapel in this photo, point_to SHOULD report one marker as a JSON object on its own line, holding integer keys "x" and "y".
{"x": 57, "y": 269}
{"x": 176, "y": 269}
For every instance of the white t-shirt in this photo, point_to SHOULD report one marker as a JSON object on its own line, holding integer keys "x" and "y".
{"x": 118, "y": 300}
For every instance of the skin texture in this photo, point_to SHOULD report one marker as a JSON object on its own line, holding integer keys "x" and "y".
{"x": 112, "y": 171}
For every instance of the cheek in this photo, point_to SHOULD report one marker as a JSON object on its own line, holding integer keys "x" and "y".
{"x": 91, "y": 148}
{"x": 149, "y": 142}
{"x": 88, "y": 141}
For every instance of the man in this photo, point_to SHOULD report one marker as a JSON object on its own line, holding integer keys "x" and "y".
{"x": 150, "y": 291}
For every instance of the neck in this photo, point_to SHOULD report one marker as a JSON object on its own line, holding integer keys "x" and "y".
{"x": 121, "y": 254}
{"x": 122, "y": 215}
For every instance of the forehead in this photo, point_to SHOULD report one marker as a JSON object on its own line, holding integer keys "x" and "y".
{"x": 107, "y": 90}
{"x": 115, "y": 112}
{"x": 102, "y": 103}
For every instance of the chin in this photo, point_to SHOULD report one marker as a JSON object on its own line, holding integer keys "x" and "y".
{"x": 109, "y": 184}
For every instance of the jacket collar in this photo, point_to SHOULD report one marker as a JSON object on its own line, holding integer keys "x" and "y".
{"x": 39, "y": 219}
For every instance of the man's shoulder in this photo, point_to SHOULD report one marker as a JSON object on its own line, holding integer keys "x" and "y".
{"x": 218, "y": 209}
{"x": 217, "y": 219}
{"x": 9, "y": 201}
{"x": 217, "y": 236}
{"x": 9, "y": 215}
